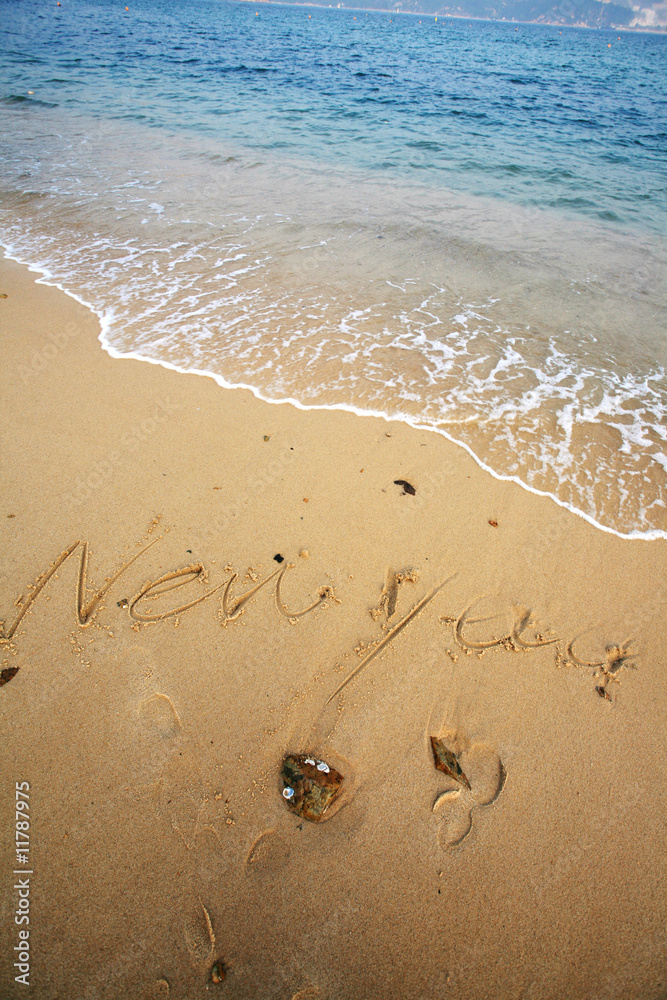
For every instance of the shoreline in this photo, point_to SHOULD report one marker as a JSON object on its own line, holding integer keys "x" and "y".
{"x": 646, "y": 30}
{"x": 45, "y": 278}
{"x": 198, "y": 585}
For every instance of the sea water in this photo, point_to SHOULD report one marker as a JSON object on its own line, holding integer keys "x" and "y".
{"x": 459, "y": 224}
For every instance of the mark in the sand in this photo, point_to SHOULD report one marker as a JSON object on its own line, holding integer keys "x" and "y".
{"x": 159, "y": 712}
{"x": 195, "y": 810}
{"x": 171, "y": 581}
{"x": 233, "y": 607}
{"x": 269, "y": 854}
{"x": 616, "y": 658}
{"x": 389, "y": 596}
{"x": 87, "y": 604}
{"x": 199, "y": 935}
{"x": 389, "y": 636}
{"x": 512, "y": 639}
{"x": 325, "y": 593}
{"x": 308, "y": 993}
{"x": 159, "y": 990}
{"x": 407, "y": 487}
{"x": 84, "y": 608}
{"x": 310, "y": 786}
{"x": 478, "y": 785}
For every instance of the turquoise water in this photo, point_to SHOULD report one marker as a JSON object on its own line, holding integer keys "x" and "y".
{"x": 459, "y": 224}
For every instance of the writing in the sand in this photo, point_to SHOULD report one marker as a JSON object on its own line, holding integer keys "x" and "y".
{"x": 522, "y": 636}
{"x": 230, "y": 606}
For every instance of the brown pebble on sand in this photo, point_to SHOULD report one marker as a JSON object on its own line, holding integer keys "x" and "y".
{"x": 309, "y": 785}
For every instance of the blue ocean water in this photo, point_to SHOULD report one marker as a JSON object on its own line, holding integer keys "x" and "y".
{"x": 456, "y": 223}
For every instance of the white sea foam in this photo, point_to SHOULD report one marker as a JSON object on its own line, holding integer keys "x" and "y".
{"x": 108, "y": 319}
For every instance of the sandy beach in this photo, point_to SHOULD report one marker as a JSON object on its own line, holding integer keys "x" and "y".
{"x": 230, "y": 582}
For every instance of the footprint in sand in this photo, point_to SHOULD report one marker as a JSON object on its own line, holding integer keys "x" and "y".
{"x": 194, "y": 809}
{"x": 159, "y": 714}
{"x": 159, "y": 990}
{"x": 268, "y": 855}
{"x": 199, "y": 935}
{"x": 473, "y": 776}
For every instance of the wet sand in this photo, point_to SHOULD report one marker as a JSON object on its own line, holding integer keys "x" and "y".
{"x": 152, "y": 735}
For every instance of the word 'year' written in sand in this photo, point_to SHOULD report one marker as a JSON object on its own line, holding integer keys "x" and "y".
{"x": 231, "y": 607}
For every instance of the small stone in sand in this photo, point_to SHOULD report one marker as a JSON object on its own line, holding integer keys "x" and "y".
{"x": 218, "y": 972}
{"x": 310, "y": 785}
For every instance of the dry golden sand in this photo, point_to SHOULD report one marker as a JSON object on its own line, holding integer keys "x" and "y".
{"x": 160, "y": 841}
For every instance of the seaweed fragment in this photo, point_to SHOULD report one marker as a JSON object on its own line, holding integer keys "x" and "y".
{"x": 7, "y": 674}
{"x": 310, "y": 785}
{"x": 407, "y": 487}
{"x": 447, "y": 761}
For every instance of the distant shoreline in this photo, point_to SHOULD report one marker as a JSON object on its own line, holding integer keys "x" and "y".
{"x": 645, "y": 30}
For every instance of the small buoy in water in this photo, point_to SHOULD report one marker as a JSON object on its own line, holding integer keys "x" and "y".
{"x": 609, "y": 46}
